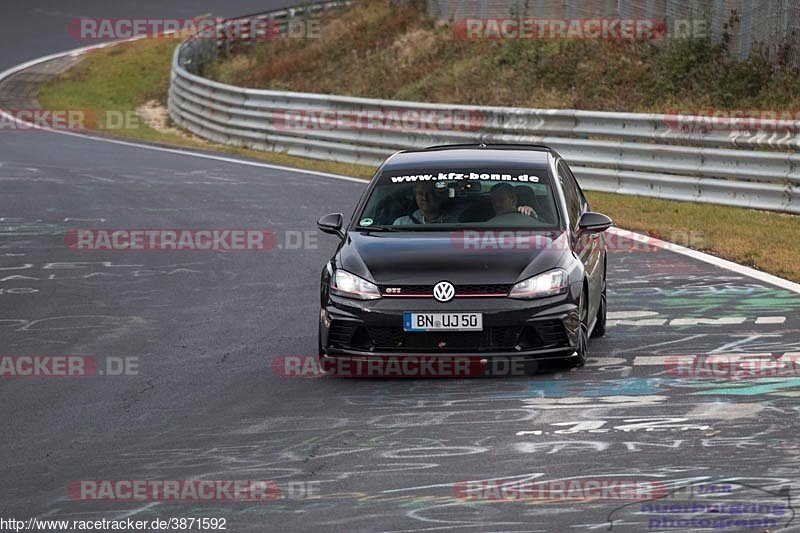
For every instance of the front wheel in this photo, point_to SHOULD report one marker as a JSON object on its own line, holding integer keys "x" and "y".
{"x": 319, "y": 342}
{"x": 600, "y": 326}
{"x": 582, "y": 344}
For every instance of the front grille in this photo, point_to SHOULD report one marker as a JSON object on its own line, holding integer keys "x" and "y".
{"x": 542, "y": 334}
{"x": 426, "y": 291}
{"x": 492, "y": 339}
{"x": 466, "y": 290}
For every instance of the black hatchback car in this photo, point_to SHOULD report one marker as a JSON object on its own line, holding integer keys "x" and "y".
{"x": 467, "y": 250}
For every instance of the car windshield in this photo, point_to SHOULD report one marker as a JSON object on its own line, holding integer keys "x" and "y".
{"x": 462, "y": 198}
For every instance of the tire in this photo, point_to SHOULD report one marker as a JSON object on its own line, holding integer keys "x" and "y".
{"x": 319, "y": 343}
{"x": 600, "y": 325}
{"x": 581, "y": 348}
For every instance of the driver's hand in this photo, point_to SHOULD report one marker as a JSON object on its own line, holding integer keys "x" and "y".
{"x": 527, "y": 210}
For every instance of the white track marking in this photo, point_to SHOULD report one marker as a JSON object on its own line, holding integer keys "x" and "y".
{"x": 770, "y": 320}
{"x": 713, "y": 260}
{"x": 652, "y": 360}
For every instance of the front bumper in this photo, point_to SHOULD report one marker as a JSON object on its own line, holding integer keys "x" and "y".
{"x": 543, "y": 329}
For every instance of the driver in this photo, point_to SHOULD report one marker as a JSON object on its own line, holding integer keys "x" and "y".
{"x": 431, "y": 208}
{"x": 504, "y": 201}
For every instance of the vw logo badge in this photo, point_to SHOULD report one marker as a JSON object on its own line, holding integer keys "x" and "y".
{"x": 444, "y": 291}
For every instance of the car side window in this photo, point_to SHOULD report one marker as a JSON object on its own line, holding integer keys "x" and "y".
{"x": 576, "y": 203}
{"x": 584, "y": 202}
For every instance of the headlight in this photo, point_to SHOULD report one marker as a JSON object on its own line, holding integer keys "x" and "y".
{"x": 547, "y": 284}
{"x": 351, "y": 286}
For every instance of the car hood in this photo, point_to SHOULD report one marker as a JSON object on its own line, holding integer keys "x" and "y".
{"x": 468, "y": 257}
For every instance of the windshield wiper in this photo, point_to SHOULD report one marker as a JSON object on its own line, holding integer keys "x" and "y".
{"x": 379, "y": 228}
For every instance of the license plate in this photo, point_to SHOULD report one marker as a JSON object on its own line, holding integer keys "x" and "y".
{"x": 442, "y": 321}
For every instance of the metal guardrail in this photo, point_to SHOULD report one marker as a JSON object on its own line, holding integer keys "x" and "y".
{"x": 627, "y": 153}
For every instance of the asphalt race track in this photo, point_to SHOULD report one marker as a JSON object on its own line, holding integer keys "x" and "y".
{"x": 384, "y": 455}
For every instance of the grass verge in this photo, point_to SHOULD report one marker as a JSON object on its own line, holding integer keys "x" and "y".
{"x": 119, "y": 79}
{"x": 124, "y": 77}
{"x": 760, "y": 239}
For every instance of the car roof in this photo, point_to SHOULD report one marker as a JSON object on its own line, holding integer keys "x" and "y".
{"x": 472, "y": 155}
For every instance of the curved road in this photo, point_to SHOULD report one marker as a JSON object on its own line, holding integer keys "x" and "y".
{"x": 387, "y": 454}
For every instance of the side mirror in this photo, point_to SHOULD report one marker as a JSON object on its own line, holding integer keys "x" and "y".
{"x": 594, "y": 222}
{"x": 332, "y": 224}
